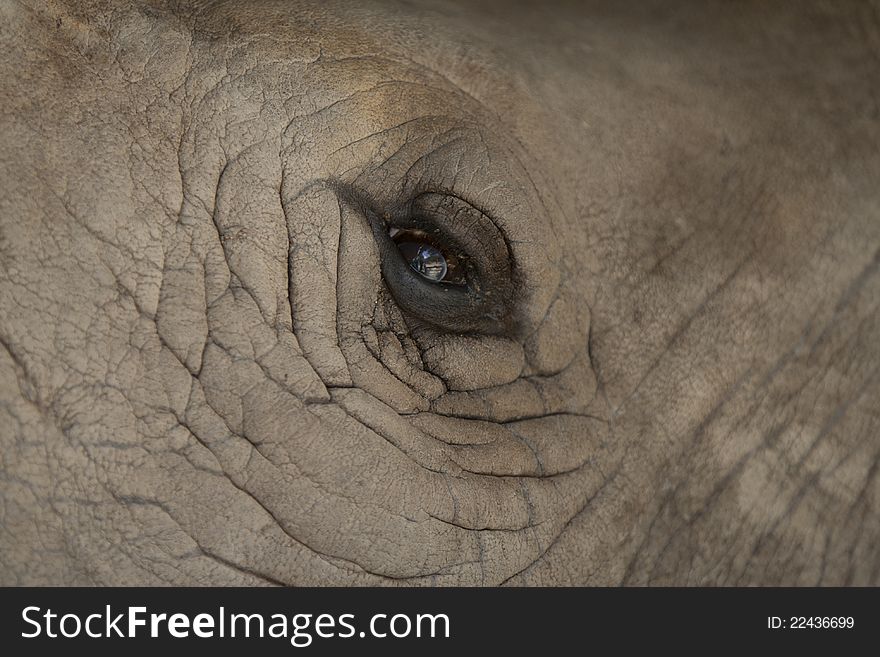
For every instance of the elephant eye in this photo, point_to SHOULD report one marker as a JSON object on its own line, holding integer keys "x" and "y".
{"x": 429, "y": 257}
{"x": 446, "y": 264}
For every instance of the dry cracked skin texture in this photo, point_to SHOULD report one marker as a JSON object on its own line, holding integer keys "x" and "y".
{"x": 206, "y": 376}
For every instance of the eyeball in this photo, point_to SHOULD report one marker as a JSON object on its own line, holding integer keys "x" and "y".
{"x": 429, "y": 258}
{"x": 425, "y": 259}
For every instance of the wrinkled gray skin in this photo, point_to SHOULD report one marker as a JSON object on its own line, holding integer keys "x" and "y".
{"x": 204, "y": 378}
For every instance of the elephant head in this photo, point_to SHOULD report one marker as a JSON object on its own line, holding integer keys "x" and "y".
{"x": 386, "y": 293}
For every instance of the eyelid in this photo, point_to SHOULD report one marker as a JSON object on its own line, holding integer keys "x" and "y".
{"x": 447, "y": 306}
{"x": 464, "y": 229}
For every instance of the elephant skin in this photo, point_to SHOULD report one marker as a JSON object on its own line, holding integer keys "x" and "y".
{"x": 216, "y": 368}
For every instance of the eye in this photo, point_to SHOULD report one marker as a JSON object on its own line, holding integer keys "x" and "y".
{"x": 428, "y": 257}
{"x": 446, "y": 264}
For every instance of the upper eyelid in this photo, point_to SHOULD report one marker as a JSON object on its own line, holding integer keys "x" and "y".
{"x": 435, "y": 231}
{"x": 482, "y": 238}
{"x": 415, "y": 209}
{"x": 402, "y": 209}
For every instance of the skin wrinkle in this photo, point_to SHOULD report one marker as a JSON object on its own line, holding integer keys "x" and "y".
{"x": 705, "y": 419}
{"x": 523, "y": 573}
{"x": 769, "y": 443}
{"x": 134, "y": 501}
{"x": 682, "y": 330}
{"x": 455, "y": 510}
{"x": 384, "y": 363}
{"x": 280, "y": 524}
{"x": 668, "y": 499}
